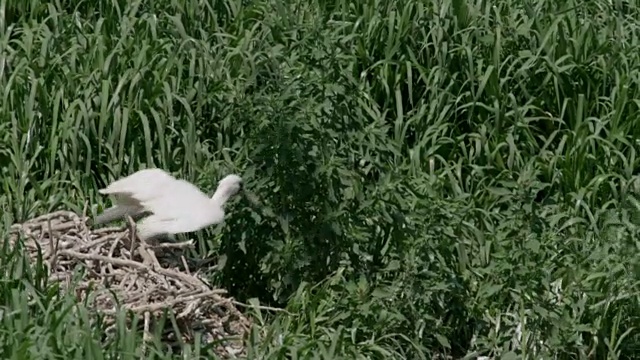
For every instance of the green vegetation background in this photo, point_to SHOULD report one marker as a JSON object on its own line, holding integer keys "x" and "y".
{"x": 439, "y": 177}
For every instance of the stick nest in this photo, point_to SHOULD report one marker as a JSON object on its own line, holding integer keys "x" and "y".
{"x": 117, "y": 263}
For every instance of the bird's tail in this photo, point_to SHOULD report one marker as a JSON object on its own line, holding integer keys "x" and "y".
{"x": 119, "y": 212}
{"x": 112, "y": 213}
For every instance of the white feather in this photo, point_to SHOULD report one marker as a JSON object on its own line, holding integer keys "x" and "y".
{"x": 176, "y": 206}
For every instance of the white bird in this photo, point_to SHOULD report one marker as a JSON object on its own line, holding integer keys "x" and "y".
{"x": 176, "y": 206}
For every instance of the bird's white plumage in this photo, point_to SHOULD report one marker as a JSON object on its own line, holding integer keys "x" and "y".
{"x": 176, "y": 206}
{"x": 142, "y": 182}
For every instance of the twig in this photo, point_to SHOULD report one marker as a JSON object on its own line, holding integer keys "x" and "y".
{"x": 115, "y": 261}
{"x": 180, "y": 245}
{"x": 261, "y": 307}
{"x": 111, "y": 251}
{"x": 184, "y": 263}
{"x": 54, "y": 249}
{"x": 146, "y": 336}
{"x": 169, "y": 303}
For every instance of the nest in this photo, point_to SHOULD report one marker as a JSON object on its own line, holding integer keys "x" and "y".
{"x": 117, "y": 263}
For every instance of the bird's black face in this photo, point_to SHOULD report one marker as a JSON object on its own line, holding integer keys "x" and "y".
{"x": 250, "y": 197}
{"x": 236, "y": 188}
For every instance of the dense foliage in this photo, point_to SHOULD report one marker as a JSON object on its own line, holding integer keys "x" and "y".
{"x": 437, "y": 178}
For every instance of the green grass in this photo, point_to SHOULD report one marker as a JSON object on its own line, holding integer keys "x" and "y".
{"x": 439, "y": 178}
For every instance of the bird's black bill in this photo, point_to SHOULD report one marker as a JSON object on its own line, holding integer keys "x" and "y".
{"x": 251, "y": 197}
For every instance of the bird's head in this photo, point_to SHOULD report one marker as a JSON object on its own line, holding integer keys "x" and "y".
{"x": 230, "y": 184}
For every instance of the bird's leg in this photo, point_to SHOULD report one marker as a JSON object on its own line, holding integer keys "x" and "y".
{"x": 132, "y": 235}
{"x": 147, "y": 254}
{"x": 184, "y": 263}
{"x": 251, "y": 198}
{"x": 149, "y": 257}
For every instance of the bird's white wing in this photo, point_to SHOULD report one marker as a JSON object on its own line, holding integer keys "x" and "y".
{"x": 129, "y": 192}
{"x": 140, "y": 185}
{"x": 181, "y": 208}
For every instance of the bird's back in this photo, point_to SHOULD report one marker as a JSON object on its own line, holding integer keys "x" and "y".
{"x": 140, "y": 185}
{"x": 186, "y": 206}
{"x": 130, "y": 192}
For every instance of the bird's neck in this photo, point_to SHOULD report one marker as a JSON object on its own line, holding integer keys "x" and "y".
{"x": 220, "y": 197}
